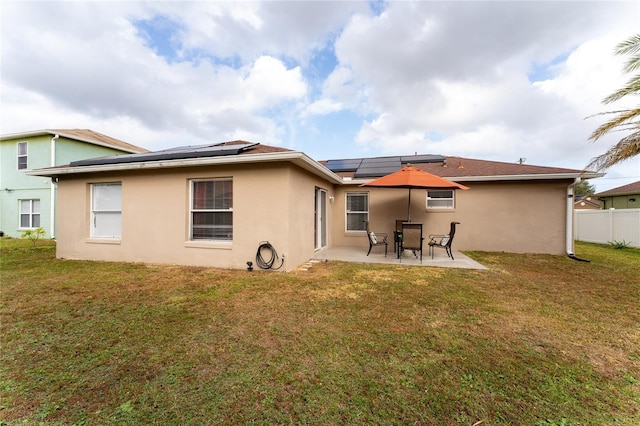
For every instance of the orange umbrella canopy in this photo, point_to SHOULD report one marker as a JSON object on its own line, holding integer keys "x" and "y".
{"x": 411, "y": 177}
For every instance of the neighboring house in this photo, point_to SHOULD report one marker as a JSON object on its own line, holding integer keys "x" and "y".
{"x": 586, "y": 202}
{"x": 623, "y": 197}
{"x": 214, "y": 205}
{"x": 28, "y": 201}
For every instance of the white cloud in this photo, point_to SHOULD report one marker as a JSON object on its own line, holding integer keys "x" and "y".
{"x": 439, "y": 77}
{"x": 250, "y": 29}
{"x": 322, "y": 107}
{"x": 460, "y": 71}
{"x": 269, "y": 82}
{"x": 70, "y": 74}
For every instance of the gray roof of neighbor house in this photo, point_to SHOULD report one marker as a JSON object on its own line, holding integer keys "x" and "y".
{"x": 632, "y": 188}
{"x": 83, "y": 135}
{"x": 456, "y": 168}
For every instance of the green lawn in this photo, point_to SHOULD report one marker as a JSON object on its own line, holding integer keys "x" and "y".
{"x": 534, "y": 340}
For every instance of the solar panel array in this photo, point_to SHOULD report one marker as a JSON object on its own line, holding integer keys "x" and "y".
{"x": 178, "y": 153}
{"x": 379, "y": 166}
{"x": 361, "y": 167}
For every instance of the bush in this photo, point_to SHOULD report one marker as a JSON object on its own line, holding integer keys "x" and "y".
{"x": 34, "y": 234}
{"x": 619, "y": 245}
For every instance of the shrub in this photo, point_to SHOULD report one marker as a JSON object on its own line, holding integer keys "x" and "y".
{"x": 619, "y": 245}
{"x": 34, "y": 234}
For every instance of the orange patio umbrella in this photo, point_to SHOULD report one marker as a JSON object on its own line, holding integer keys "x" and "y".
{"x": 411, "y": 178}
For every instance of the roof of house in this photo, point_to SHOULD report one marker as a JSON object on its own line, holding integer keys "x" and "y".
{"x": 183, "y": 152}
{"x": 632, "y": 188}
{"x": 225, "y": 153}
{"x": 83, "y": 135}
{"x": 469, "y": 169}
{"x": 350, "y": 171}
{"x": 581, "y": 201}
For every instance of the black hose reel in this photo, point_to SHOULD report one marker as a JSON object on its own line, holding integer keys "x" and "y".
{"x": 265, "y": 248}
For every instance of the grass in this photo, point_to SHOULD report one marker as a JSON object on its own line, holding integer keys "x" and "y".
{"x": 534, "y": 340}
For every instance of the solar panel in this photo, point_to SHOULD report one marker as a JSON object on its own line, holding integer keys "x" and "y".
{"x": 375, "y": 167}
{"x": 350, "y": 165}
{"x": 178, "y": 153}
{"x": 416, "y": 159}
{"x": 379, "y": 166}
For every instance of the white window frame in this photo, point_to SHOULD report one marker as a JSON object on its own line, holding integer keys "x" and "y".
{"x": 33, "y": 205}
{"x": 193, "y": 211}
{"x": 110, "y": 214}
{"x": 436, "y": 203}
{"x": 353, "y": 212}
{"x": 21, "y": 156}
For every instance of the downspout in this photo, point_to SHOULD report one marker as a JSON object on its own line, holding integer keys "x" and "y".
{"x": 569, "y": 230}
{"x": 52, "y": 213}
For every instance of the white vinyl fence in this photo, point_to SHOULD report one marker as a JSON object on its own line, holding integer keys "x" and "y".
{"x": 605, "y": 226}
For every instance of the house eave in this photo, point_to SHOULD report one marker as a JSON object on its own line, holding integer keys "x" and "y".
{"x": 618, "y": 194}
{"x": 532, "y": 176}
{"x": 19, "y": 135}
{"x": 495, "y": 178}
{"x": 47, "y": 132}
{"x": 296, "y": 157}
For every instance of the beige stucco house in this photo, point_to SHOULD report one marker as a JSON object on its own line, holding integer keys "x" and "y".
{"x": 214, "y": 205}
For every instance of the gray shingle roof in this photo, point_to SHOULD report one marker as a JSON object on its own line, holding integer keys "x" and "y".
{"x": 632, "y": 188}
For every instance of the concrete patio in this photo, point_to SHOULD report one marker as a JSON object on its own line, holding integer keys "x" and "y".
{"x": 359, "y": 255}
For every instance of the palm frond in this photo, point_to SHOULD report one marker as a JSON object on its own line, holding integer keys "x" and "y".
{"x": 632, "y": 87}
{"x": 629, "y": 46}
{"x": 625, "y": 118}
{"x": 627, "y": 148}
{"x": 633, "y": 64}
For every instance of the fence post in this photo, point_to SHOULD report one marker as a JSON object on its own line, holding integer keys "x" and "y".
{"x": 611, "y": 224}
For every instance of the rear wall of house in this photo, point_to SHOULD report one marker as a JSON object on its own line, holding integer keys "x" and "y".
{"x": 518, "y": 217}
{"x": 270, "y": 203}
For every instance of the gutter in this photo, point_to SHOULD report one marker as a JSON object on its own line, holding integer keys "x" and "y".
{"x": 569, "y": 231}
{"x": 530, "y": 176}
{"x": 52, "y": 208}
{"x": 496, "y": 178}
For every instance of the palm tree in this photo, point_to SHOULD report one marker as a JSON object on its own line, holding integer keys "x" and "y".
{"x": 623, "y": 120}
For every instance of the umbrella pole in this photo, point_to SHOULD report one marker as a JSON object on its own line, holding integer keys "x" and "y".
{"x": 409, "y": 207}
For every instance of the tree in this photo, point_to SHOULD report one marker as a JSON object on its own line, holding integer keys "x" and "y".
{"x": 584, "y": 188}
{"x": 623, "y": 120}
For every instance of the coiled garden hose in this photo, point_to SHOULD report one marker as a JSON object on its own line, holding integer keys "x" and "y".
{"x": 268, "y": 264}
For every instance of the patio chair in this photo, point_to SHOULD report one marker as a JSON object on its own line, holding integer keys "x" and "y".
{"x": 376, "y": 239}
{"x": 443, "y": 241}
{"x": 397, "y": 234}
{"x": 411, "y": 239}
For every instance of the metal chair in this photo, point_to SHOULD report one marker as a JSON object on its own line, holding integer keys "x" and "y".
{"x": 376, "y": 239}
{"x": 411, "y": 239}
{"x": 443, "y": 241}
{"x": 397, "y": 234}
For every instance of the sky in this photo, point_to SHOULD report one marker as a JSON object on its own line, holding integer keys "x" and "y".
{"x": 492, "y": 80}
